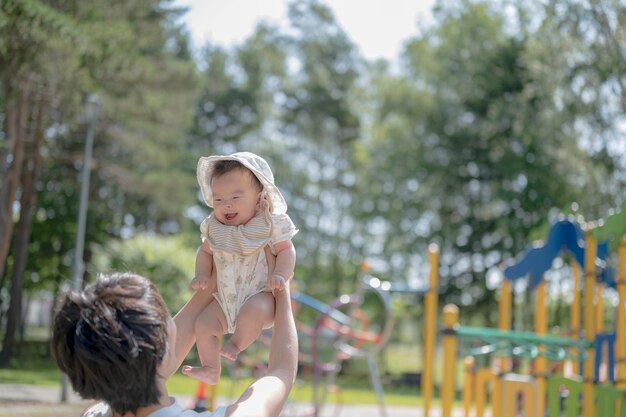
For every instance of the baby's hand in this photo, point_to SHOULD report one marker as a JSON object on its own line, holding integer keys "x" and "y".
{"x": 275, "y": 282}
{"x": 200, "y": 283}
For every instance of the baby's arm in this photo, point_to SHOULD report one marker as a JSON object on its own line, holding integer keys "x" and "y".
{"x": 285, "y": 264}
{"x": 204, "y": 268}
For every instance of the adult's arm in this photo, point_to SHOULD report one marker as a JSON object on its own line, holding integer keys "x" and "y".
{"x": 185, "y": 320}
{"x": 267, "y": 396}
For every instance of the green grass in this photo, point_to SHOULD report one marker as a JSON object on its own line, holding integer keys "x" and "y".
{"x": 350, "y": 392}
{"x": 30, "y": 376}
{"x": 34, "y": 365}
{"x": 347, "y": 391}
{"x": 353, "y": 387}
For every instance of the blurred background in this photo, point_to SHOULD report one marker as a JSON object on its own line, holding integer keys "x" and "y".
{"x": 493, "y": 119}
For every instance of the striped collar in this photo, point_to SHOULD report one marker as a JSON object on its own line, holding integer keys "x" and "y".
{"x": 242, "y": 240}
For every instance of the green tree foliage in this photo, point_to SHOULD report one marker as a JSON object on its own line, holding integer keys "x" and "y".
{"x": 136, "y": 58}
{"x": 237, "y": 93}
{"x": 470, "y": 149}
{"x": 581, "y": 47}
{"x": 320, "y": 124}
{"x": 167, "y": 260}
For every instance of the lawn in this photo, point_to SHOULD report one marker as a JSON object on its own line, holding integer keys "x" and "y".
{"x": 345, "y": 391}
{"x": 34, "y": 366}
{"x": 351, "y": 390}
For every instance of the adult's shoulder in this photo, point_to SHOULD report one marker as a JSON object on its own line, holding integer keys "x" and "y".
{"x": 99, "y": 409}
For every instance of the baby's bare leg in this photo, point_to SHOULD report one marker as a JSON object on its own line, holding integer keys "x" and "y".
{"x": 256, "y": 314}
{"x": 210, "y": 324}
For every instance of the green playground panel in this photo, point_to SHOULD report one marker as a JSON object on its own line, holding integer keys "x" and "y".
{"x": 522, "y": 344}
{"x": 607, "y": 396}
{"x": 571, "y": 404}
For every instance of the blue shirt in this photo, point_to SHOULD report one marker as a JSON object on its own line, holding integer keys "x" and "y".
{"x": 101, "y": 409}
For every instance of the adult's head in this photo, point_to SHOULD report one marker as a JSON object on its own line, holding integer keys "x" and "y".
{"x": 115, "y": 341}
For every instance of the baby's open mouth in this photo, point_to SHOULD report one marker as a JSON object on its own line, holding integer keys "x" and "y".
{"x": 230, "y": 216}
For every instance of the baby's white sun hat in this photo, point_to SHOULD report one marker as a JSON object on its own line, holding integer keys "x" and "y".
{"x": 254, "y": 163}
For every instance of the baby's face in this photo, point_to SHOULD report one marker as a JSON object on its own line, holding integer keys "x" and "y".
{"x": 235, "y": 197}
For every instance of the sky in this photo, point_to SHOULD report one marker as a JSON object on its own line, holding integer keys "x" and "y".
{"x": 377, "y": 27}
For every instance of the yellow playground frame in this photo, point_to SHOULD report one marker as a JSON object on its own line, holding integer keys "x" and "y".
{"x": 543, "y": 388}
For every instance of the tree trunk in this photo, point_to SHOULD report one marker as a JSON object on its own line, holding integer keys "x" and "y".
{"x": 53, "y": 309}
{"x": 15, "y": 130}
{"x": 6, "y": 145}
{"x": 23, "y": 322}
{"x": 30, "y": 177}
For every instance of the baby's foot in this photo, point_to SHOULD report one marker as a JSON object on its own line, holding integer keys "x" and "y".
{"x": 208, "y": 374}
{"x": 230, "y": 351}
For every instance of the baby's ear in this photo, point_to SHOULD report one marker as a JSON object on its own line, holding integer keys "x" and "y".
{"x": 264, "y": 202}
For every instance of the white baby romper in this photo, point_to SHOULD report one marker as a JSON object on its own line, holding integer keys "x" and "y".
{"x": 239, "y": 257}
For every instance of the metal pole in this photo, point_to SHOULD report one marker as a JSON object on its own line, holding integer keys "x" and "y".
{"x": 78, "y": 266}
{"x": 92, "y": 110}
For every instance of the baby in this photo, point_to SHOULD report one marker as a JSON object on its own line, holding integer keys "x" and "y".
{"x": 246, "y": 254}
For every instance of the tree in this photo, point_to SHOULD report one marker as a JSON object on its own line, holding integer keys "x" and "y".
{"x": 461, "y": 150}
{"x": 27, "y": 83}
{"x": 319, "y": 127}
{"x": 580, "y": 44}
{"x": 166, "y": 261}
{"x": 136, "y": 59}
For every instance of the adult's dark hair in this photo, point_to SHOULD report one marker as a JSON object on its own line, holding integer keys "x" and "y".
{"x": 109, "y": 339}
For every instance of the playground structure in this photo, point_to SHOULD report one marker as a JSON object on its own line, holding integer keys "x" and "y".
{"x": 343, "y": 325}
{"x": 565, "y": 372}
